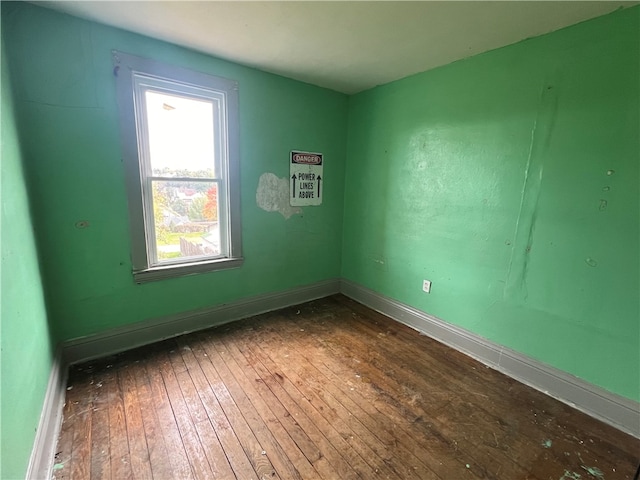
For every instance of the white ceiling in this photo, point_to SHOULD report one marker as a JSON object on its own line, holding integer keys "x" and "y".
{"x": 344, "y": 46}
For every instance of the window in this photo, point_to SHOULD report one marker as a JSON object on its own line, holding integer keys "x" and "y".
{"x": 179, "y": 132}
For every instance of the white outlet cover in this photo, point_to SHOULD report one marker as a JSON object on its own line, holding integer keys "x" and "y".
{"x": 426, "y": 286}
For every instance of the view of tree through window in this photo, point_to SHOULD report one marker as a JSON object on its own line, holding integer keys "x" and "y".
{"x": 182, "y": 154}
{"x": 180, "y": 144}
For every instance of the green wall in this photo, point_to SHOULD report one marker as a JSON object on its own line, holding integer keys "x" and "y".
{"x": 25, "y": 351}
{"x": 65, "y": 92}
{"x": 510, "y": 180}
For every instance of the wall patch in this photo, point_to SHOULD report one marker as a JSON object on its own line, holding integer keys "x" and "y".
{"x": 273, "y": 195}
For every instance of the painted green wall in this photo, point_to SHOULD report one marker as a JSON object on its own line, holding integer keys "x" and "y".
{"x": 25, "y": 352}
{"x": 487, "y": 176}
{"x": 490, "y": 177}
{"x": 65, "y": 92}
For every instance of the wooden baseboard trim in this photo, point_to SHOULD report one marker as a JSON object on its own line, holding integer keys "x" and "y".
{"x": 617, "y": 411}
{"x": 42, "y": 454}
{"x": 146, "y": 332}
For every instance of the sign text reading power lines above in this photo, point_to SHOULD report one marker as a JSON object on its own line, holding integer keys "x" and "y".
{"x": 306, "y": 179}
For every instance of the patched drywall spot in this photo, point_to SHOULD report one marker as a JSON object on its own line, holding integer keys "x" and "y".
{"x": 379, "y": 262}
{"x": 273, "y": 195}
{"x": 69, "y": 85}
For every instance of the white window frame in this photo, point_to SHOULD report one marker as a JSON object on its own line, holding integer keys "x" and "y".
{"x": 134, "y": 76}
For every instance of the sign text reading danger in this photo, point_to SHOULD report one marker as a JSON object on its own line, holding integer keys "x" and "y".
{"x": 307, "y": 158}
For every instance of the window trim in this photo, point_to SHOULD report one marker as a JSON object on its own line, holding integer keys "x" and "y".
{"x": 125, "y": 66}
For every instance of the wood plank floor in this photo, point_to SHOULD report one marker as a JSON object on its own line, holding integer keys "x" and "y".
{"x": 326, "y": 390}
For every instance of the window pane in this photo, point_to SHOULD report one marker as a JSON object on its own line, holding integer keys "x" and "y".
{"x": 186, "y": 220}
{"x": 181, "y": 137}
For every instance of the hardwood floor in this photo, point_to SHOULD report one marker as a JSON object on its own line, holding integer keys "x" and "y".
{"x": 324, "y": 390}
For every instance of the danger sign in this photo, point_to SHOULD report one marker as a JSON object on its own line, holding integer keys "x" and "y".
{"x": 306, "y": 179}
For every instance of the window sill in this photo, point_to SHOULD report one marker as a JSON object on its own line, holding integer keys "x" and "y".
{"x": 172, "y": 271}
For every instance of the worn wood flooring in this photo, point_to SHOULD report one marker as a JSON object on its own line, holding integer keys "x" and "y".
{"x": 325, "y": 390}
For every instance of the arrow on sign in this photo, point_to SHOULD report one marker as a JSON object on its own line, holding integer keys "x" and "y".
{"x": 319, "y": 180}
{"x": 293, "y": 177}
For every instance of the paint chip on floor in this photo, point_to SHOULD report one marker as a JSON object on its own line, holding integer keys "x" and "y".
{"x": 568, "y": 475}
{"x": 594, "y": 472}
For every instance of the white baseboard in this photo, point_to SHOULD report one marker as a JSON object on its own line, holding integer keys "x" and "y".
{"x": 621, "y": 413}
{"x": 41, "y": 461}
{"x": 150, "y": 331}
{"x": 143, "y": 333}
{"x": 617, "y": 411}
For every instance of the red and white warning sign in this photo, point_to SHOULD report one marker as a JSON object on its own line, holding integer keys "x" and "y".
{"x": 306, "y": 179}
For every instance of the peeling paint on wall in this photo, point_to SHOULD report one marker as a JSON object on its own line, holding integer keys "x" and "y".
{"x": 273, "y": 195}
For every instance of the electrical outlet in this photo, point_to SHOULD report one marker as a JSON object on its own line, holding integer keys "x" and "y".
{"x": 426, "y": 286}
